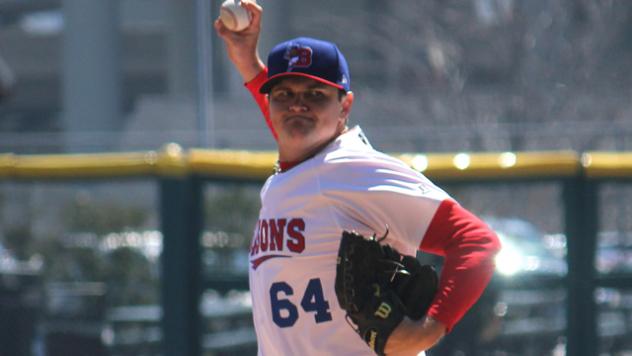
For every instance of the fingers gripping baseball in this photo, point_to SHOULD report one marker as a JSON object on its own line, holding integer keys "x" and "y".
{"x": 241, "y": 46}
{"x": 253, "y": 28}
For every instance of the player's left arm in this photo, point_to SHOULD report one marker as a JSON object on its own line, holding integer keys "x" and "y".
{"x": 412, "y": 336}
{"x": 469, "y": 247}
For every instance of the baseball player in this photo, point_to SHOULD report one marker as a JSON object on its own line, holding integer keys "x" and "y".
{"x": 329, "y": 179}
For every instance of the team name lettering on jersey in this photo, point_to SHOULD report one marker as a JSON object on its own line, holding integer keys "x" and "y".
{"x": 282, "y": 235}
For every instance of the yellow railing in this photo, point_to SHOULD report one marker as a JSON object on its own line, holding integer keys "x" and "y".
{"x": 607, "y": 164}
{"x": 172, "y": 160}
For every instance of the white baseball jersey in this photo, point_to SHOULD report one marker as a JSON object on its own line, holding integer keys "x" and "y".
{"x": 346, "y": 186}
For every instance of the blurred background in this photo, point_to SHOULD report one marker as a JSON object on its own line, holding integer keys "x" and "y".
{"x": 80, "y": 259}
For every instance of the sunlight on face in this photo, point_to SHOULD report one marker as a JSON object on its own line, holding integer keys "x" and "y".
{"x": 306, "y": 113}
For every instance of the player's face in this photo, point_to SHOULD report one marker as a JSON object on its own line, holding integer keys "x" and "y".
{"x": 306, "y": 115}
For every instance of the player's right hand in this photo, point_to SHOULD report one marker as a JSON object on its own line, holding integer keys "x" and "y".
{"x": 242, "y": 46}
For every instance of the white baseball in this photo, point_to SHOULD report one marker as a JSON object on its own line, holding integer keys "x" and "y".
{"x": 234, "y": 17}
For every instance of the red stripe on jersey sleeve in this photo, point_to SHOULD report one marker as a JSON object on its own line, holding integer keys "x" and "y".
{"x": 261, "y": 99}
{"x": 468, "y": 246}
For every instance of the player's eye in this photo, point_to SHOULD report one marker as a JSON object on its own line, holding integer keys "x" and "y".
{"x": 314, "y": 94}
{"x": 281, "y": 95}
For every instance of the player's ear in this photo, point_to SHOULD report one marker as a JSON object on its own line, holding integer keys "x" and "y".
{"x": 346, "y": 103}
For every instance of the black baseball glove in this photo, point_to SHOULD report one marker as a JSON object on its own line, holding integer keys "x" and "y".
{"x": 377, "y": 287}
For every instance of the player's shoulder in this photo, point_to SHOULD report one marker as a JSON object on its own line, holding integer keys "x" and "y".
{"x": 353, "y": 166}
{"x": 363, "y": 158}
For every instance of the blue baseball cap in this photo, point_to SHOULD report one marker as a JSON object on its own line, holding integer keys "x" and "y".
{"x": 307, "y": 57}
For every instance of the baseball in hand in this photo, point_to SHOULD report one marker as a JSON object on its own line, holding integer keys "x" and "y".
{"x": 234, "y": 17}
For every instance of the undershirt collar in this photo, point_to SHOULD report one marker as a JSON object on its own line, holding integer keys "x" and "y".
{"x": 284, "y": 166}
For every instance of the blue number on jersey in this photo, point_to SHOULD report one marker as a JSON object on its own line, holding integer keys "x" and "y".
{"x": 314, "y": 301}
{"x": 285, "y": 313}
{"x": 279, "y": 305}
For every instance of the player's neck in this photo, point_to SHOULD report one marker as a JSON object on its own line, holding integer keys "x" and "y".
{"x": 291, "y": 156}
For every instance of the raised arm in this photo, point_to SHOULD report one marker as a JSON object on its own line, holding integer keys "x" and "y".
{"x": 241, "y": 48}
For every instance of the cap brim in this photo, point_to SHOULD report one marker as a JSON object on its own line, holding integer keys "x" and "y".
{"x": 268, "y": 84}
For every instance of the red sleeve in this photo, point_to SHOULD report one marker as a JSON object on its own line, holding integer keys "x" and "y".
{"x": 468, "y": 246}
{"x": 261, "y": 99}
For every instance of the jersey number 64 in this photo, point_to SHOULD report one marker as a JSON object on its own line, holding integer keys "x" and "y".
{"x": 285, "y": 313}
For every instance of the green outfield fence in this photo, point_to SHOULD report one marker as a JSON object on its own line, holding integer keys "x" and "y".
{"x": 182, "y": 174}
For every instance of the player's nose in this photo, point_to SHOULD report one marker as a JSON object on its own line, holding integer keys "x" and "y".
{"x": 298, "y": 108}
{"x": 298, "y": 105}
